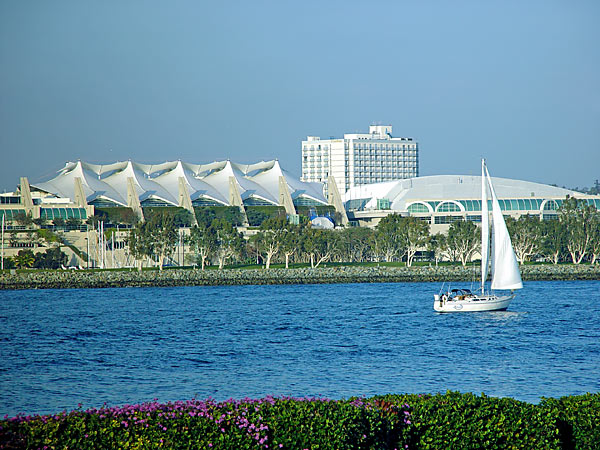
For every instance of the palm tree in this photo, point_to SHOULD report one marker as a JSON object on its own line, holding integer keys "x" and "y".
{"x": 24, "y": 259}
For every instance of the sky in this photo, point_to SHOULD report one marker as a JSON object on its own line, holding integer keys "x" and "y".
{"x": 515, "y": 82}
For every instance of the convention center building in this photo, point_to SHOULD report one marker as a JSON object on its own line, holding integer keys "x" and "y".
{"x": 80, "y": 186}
{"x": 443, "y": 199}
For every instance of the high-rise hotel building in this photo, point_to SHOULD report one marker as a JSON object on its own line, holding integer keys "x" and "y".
{"x": 361, "y": 158}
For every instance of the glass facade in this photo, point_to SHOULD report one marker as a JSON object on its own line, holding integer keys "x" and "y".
{"x": 10, "y": 213}
{"x": 448, "y": 207}
{"x": 519, "y": 204}
{"x": 6, "y": 200}
{"x": 418, "y": 208}
{"x": 446, "y": 219}
{"x": 202, "y": 201}
{"x": 149, "y": 202}
{"x": 103, "y": 203}
{"x": 357, "y": 204}
{"x": 63, "y": 213}
{"x": 255, "y": 201}
{"x": 551, "y": 205}
{"x": 306, "y": 201}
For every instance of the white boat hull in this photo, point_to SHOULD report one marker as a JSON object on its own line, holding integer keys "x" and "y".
{"x": 472, "y": 304}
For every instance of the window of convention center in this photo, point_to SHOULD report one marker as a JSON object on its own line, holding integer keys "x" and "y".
{"x": 520, "y": 204}
{"x": 63, "y": 213}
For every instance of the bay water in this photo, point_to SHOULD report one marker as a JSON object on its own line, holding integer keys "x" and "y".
{"x": 59, "y": 348}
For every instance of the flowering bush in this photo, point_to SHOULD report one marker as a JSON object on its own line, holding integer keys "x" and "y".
{"x": 442, "y": 421}
{"x": 270, "y": 423}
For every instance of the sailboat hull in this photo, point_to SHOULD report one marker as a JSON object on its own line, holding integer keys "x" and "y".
{"x": 474, "y": 303}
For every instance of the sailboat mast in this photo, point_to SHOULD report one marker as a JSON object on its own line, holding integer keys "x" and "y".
{"x": 485, "y": 229}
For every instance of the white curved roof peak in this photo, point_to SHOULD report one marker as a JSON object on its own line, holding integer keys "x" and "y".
{"x": 204, "y": 181}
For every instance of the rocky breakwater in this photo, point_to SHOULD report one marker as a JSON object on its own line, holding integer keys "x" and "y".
{"x": 33, "y": 279}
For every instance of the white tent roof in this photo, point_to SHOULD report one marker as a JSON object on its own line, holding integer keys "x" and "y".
{"x": 145, "y": 187}
{"x": 210, "y": 181}
{"x": 197, "y": 188}
{"x": 63, "y": 185}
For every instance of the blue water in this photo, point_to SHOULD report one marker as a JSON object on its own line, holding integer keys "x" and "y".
{"x": 59, "y": 348}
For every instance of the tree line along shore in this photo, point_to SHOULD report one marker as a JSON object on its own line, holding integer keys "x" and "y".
{"x": 58, "y": 279}
{"x": 173, "y": 236}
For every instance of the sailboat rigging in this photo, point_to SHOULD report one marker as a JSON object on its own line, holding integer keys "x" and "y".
{"x": 496, "y": 252}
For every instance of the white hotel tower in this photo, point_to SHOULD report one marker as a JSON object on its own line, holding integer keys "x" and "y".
{"x": 360, "y": 158}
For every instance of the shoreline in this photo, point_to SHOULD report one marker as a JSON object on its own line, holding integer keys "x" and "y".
{"x": 323, "y": 275}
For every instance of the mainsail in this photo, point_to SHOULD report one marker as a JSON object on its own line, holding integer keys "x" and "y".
{"x": 505, "y": 268}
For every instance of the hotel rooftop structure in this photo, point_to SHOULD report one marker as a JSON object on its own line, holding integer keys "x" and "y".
{"x": 359, "y": 159}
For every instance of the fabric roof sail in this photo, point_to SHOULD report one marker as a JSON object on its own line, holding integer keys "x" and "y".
{"x": 63, "y": 185}
{"x": 169, "y": 180}
{"x": 256, "y": 182}
{"x": 267, "y": 175}
{"x": 220, "y": 180}
{"x": 144, "y": 187}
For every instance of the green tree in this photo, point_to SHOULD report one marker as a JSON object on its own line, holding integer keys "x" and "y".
{"x": 24, "y": 259}
{"x": 356, "y": 243}
{"x": 127, "y": 216}
{"x": 23, "y": 219}
{"x": 205, "y": 216}
{"x": 553, "y": 239}
{"x": 578, "y": 219}
{"x": 182, "y": 218}
{"x": 290, "y": 242}
{"x": 415, "y": 233}
{"x": 595, "y": 241}
{"x": 73, "y": 222}
{"x": 229, "y": 242}
{"x": 270, "y": 238}
{"x": 256, "y": 217}
{"x": 139, "y": 243}
{"x": 525, "y": 235}
{"x": 389, "y": 239}
{"x": 163, "y": 236}
{"x": 93, "y": 220}
{"x": 318, "y": 244}
{"x": 52, "y": 258}
{"x": 156, "y": 237}
{"x": 58, "y": 222}
{"x": 233, "y": 215}
{"x": 49, "y": 237}
{"x": 437, "y": 244}
{"x": 203, "y": 239}
{"x": 40, "y": 221}
{"x": 464, "y": 238}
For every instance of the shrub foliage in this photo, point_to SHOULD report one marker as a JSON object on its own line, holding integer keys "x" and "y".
{"x": 451, "y": 420}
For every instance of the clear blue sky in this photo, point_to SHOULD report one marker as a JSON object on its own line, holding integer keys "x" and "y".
{"x": 517, "y": 82}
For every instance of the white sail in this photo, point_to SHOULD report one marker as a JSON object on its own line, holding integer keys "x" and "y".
{"x": 505, "y": 268}
{"x": 485, "y": 229}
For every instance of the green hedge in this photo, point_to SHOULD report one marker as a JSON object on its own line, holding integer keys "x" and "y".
{"x": 443, "y": 421}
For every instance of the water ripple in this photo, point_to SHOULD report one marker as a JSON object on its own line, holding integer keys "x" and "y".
{"x": 60, "y": 348}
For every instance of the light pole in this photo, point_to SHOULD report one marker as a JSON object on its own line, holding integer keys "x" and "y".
{"x": 87, "y": 259}
{"x": 2, "y": 241}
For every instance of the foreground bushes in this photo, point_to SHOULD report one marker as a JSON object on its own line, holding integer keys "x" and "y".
{"x": 452, "y": 420}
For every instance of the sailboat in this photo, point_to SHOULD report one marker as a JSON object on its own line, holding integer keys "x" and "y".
{"x": 497, "y": 250}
